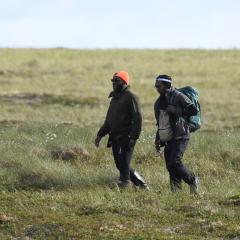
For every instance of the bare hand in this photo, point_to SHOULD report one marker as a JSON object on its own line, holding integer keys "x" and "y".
{"x": 97, "y": 141}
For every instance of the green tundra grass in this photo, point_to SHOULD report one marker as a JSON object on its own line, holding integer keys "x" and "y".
{"x": 57, "y": 99}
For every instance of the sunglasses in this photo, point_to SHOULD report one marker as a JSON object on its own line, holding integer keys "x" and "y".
{"x": 116, "y": 79}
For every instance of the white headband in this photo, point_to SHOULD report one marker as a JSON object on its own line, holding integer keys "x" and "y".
{"x": 164, "y": 80}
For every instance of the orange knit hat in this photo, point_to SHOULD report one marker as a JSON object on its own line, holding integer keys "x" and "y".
{"x": 123, "y": 75}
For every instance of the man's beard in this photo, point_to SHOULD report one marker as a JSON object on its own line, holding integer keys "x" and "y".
{"x": 118, "y": 88}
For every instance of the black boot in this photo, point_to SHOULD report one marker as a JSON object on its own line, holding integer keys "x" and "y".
{"x": 194, "y": 187}
{"x": 175, "y": 186}
{"x": 124, "y": 184}
{"x": 138, "y": 180}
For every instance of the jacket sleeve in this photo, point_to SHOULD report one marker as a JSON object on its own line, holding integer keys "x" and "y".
{"x": 105, "y": 128}
{"x": 136, "y": 117}
{"x": 185, "y": 107}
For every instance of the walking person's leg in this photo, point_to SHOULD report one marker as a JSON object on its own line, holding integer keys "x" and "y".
{"x": 122, "y": 157}
{"x": 115, "y": 150}
{"x": 175, "y": 179}
{"x": 126, "y": 171}
{"x": 176, "y": 154}
{"x": 180, "y": 171}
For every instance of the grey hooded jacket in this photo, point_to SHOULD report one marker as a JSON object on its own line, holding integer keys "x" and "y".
{"x": 185, "y": 109}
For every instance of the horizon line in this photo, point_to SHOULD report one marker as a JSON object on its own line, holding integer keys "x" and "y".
{"x": 123, "y": 48}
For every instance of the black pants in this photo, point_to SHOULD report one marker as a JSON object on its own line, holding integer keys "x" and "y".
{"x": 122, "y": 154}
{"x": 173, "y": 153}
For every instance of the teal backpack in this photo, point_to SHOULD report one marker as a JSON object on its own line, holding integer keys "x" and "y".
{"x": 192, "y": 94}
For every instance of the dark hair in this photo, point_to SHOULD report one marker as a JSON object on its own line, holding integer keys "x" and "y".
{"x": 167, "y": 84}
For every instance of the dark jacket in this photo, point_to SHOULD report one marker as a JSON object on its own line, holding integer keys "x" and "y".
{"x": 123, "y": 115}
{"x": 185, "y": 109}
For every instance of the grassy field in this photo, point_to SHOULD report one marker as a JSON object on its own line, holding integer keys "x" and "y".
{"x": 53, "y": 101}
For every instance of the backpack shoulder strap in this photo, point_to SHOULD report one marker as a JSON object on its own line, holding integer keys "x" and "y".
{"x": 173, "y": 97}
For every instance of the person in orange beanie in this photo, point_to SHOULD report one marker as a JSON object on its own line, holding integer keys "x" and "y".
{"x": 123, "y": 75}
{"x": 123, "y": 125}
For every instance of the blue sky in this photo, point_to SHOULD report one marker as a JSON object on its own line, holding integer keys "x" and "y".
{"x": 120, "y": 24}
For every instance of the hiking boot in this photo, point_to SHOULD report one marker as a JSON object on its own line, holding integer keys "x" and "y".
{"x": 194, "y": 187}
{"x": 137, "y": 180}
{"x": 144, "y": 186}
{"x": 175, "y": 186}
{"x": 123, "y": 184}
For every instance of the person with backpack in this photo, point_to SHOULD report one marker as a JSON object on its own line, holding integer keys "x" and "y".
{"x": 172, "y": 111}
{"x": 123, "y": 125}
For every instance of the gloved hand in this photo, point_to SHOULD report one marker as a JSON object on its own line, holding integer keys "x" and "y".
{"x": 97, "y": 141}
